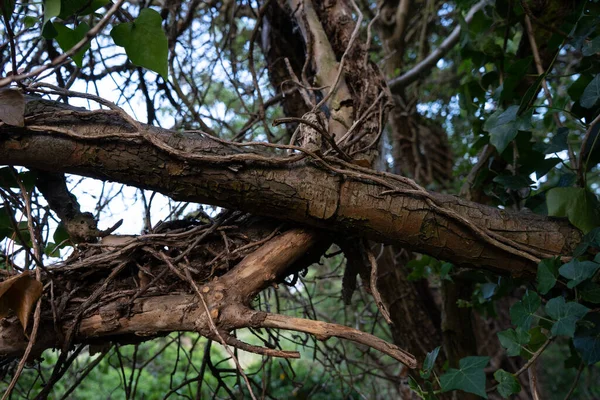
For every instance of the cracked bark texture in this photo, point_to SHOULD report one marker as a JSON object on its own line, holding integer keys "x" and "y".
{"x": 298, "y": 191}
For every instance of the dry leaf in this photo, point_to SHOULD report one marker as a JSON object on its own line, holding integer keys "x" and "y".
{"x": 19, "y": 293}
{"x": 12, "y": 107}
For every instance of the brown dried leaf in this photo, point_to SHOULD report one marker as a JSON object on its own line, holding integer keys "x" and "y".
{"x": 19, "y": 293}
{"x": 12, "y": 107}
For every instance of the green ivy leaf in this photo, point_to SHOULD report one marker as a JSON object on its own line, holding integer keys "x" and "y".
{"x": 29, "y": 21}
{"x": 591, "y": 94}
{"x": 513, "y": 340}
{"x": 503, "y": 126}
{"x": 558, "y": 142}
{"x": 469, "y": 378}
{"x": 513, "y": 182}
{"x": 67, "y": 38}
{"x": 565, "y": 314}
{"x": 578, "y": 271}
{"x": 547, "y": 273}
{"x": 60, "y": 235}
{"x": 522, "y": 312}
{"x": 507, "y": 383}
{"x": 591, "y": 239}
{"x": 538, "y": 339}
{"x": 144, "y": 41}
{"x": 592, "y": 47}
{"x": 445, "y": 272}
{"x": 577, "y": 204}
{"x": 68, "y": 8}
{"x": 429, "y": 362}
{"x": 587, "y": 339}
{"x": 590, "y": 291}
{"x": 51, "y": 9}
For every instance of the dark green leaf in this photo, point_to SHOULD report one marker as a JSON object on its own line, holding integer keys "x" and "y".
{"x": 469, "y": 378}
{"x": 530, "y": 94}
{"x": 429, "y": 362}
{"x": 445, "y": 272}
{"x": 578, "y": 271}
{"x": 576, "y": 89}
{"x": 144, "y": 41}
{"x": 60, "y": 235}
{"x": 592, "y": 47}
{"x": 591, "y": 239}
{"x": 591, "y": 94}
{"x": 536, "y": 342}
{"x": 577, "y": 204}
{"x": 513, "y": 182}
{"x": 503, "y": 126}
{"x": 546, "y": 274}
{"x": 565, "y": 314}
{"x": 507, "y": 383}
{"x": 67, "y": 38}
{"x": 545, "y": 166}
{"x": 513, "y": 340}
{"x": 590, "y": 291}
{"x": 522, "y": 312}
{"x": 587, "y": 339}
{"x": 558, "y": 142}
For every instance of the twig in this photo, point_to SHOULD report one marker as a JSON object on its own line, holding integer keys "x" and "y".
{"x": 58, "y": 61}
{"x": 324, "y": 330}
{"x": 375, "y": 292}
{"x": 38, "y": 308}
{"x": 576, "y": 381}
{"x": 431, "y": 60}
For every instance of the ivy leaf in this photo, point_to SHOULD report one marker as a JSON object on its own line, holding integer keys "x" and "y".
{"x": 79, "y": 7}
{"x": 429, "y": 362}
{"x": 590, "y": 291}
{"x": 577, "y": 204}
{"x": 504, "y": 126}
{"x": 67, "y": 38}
{"x": 565, "y": 314}
{"x": 469, "y": 378}
{"x": 587, "y": 339}
{"x": 522, "y": 312}
{"x": 558, "y": 142}
{"x": 591, "y": 94}
{"x": 578, "y": 271}
{"x": 514, "y": 182}
{"x": 547, "y": 273}
{"x": 507, "y": 383}
{"x": 513, "y": 340}
{"x": 51, "y": 9}
{"x": 144, "y": 41}
{"x": 591, "y": 239}
{"x": 592, "y": 47}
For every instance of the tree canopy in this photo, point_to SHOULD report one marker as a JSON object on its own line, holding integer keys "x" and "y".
{"x": 401, "y": 194}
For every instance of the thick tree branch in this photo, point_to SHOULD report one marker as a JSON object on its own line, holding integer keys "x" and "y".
{"x": 327, "y": 194}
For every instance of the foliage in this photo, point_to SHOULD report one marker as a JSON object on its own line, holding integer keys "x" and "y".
{"x": 536, "y": 120}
